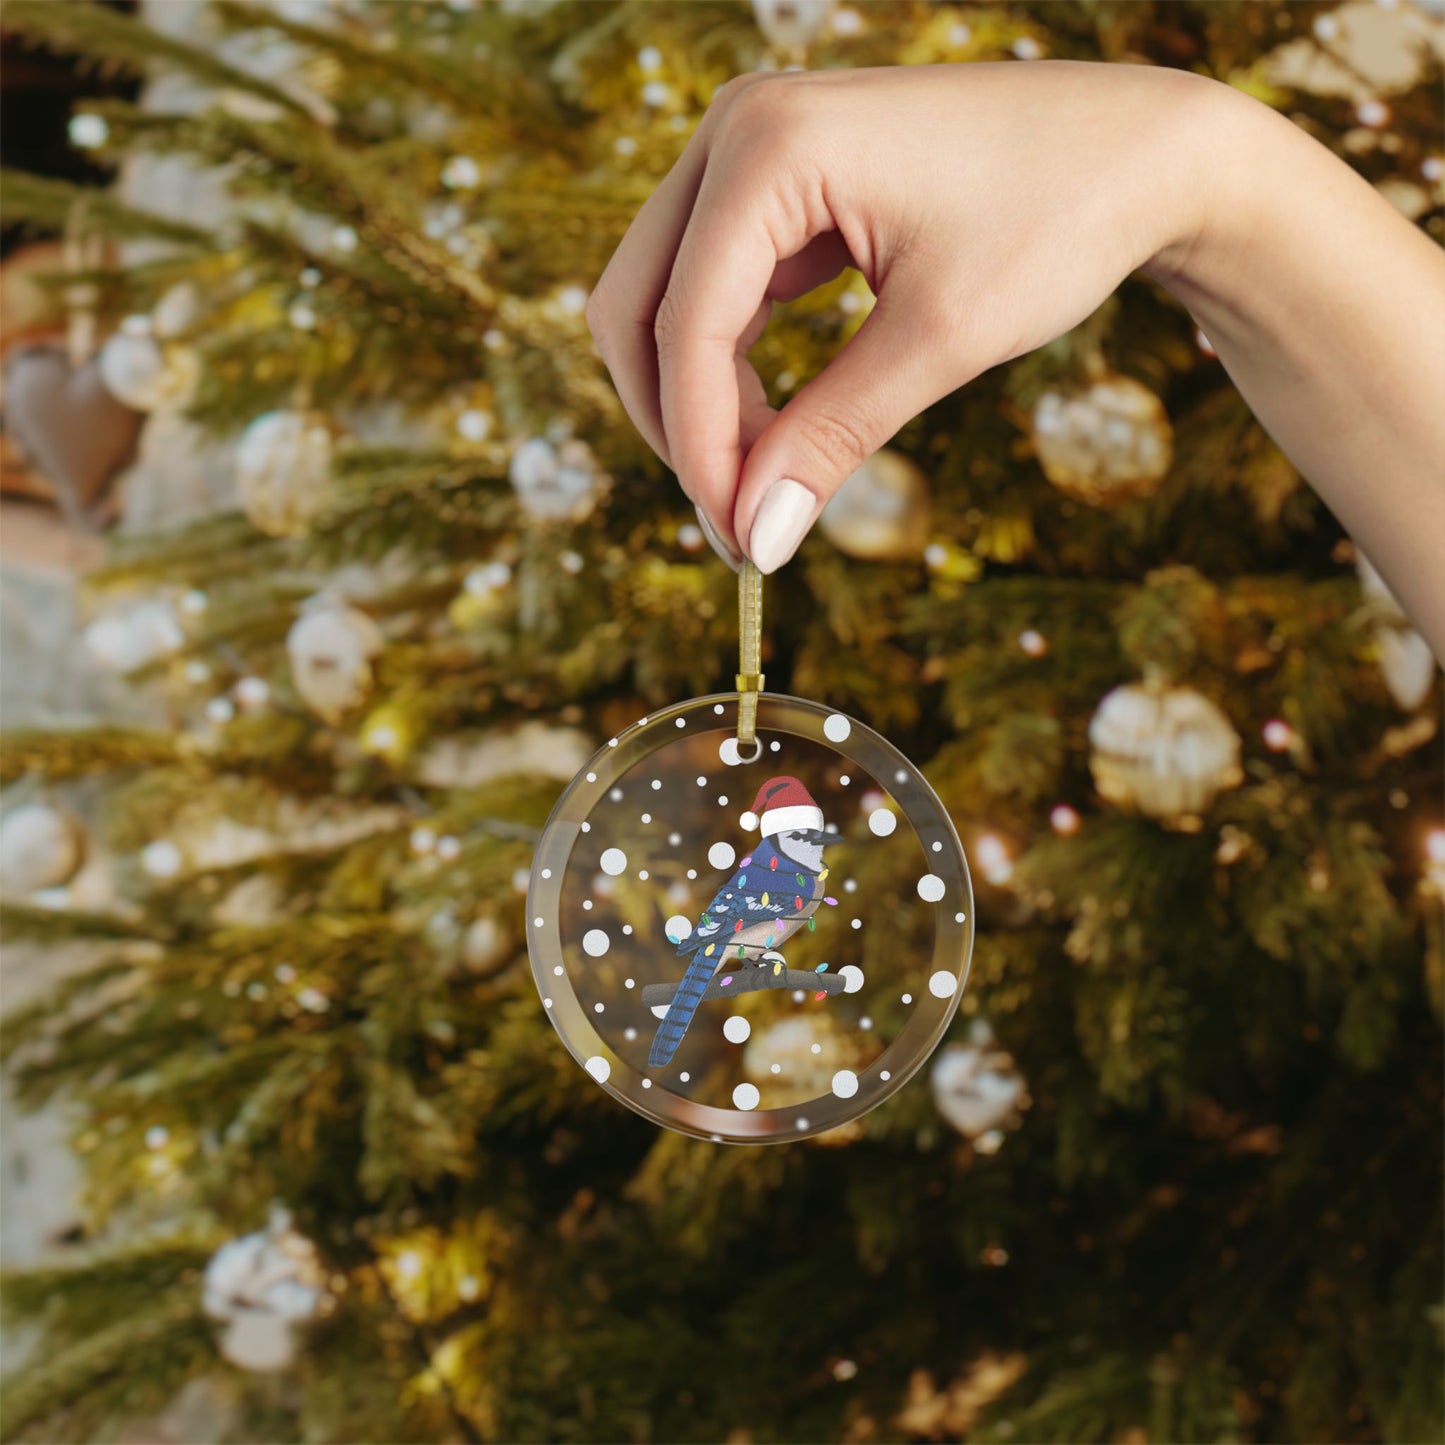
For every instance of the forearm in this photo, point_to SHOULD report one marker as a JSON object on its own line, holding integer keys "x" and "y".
{"x": 1327, "y": 309}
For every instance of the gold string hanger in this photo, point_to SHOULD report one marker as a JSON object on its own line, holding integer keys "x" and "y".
{"x": 750, "y": 659}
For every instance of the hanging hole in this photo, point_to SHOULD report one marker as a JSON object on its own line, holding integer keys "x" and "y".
{"x": 757, "y": 752}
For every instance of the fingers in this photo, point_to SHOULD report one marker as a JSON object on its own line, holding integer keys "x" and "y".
{"x": 902, "y": 360}
{"x": 622, "y": 309}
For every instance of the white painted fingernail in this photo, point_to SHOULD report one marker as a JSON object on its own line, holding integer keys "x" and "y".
{"x": 782, "y": 522}
{"x": 716, "y": 542}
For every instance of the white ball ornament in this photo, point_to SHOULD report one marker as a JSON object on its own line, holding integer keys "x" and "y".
{"x": 1108, "y": 443}
{"x": 142, "y": 373}
{"x": 1405, "y": 658}
{"x": 331, "y": 647}
{"x": 555, "y": 482}
{"x": 40, "y": 847}
{"x": 261, "y": 1287}
{"x": 1164, "y": 751}
{"x": 136, "y": 636}
{"x": 792, "y": 25}
{"x": 283, "y": 470}
{"x": 486, "y": 946}
{"x": 882, "y": 511}
{"x": 976, "y": 1087}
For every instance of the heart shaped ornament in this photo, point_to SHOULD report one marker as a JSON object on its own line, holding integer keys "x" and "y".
{"x": 77, "y": 435}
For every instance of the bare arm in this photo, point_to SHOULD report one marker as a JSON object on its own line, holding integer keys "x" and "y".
{"x": 1327, "y": 308}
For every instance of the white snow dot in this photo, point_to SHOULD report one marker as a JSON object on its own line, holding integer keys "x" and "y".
{"x": 959, "y": 917}
{"x": 627, "y": 928}
{"x": 598, "y": 1008}
{"x": 865, "y": 1022}
{"x": 615, "y": 794}
{"x": 721, "y": 855}
{"x": 681, "y": 722}
{"x": 882, "y": 822}
{"x": 850, "y": 885}
{"x": 930, "y": 888}
{"x": 701, "y": 781}
{"x": 817, "y": 1048}
{"x": 591, "y": 777}
{"x": 629, "y": 983}
{"x": 595, "y": 943}
{"x": 587, "y": 827}
{"x": 908, "y": 998}
{"x": 746, "y": 1096}
{"x": 777, "y": 1068}
{"x": 546, "y": 1003}
{"x": 844, "y": 780}
{"x": 684, "y": 1076}
{"x": 938, "y": 847}
{"x": 852, "y": 977}
{"x": 837, "y": 728}
{"x": 629, "y": 1034}
{"x": 643, "y": 874}
{"x": 801, "y": 1123}
{"x": 536, "y": 923}
{"x": 775, "y": 746}
{"x": 856, "y": 923}
{"x": 558, "y": 970}
{"x": 677, "y": 927}
{"x": 942, "y": 984}
{"x": 717, "y": 707}
{"x": 599, "y": 1068}
{"x": 722, "y": 802}
{"x": 798, "y": 995}
{"x": 647, "y": 817}
{"x": 587, "y": 904}
{"x": 656, "y": 784}
{"x": 885, "y": 1076}
{"x": 748, "y": 821}
{"x": 692, "y": 872}
{"x": 845, "y": 1083}
{"x": 659, "y": 1010}
{"x": 546, "y": 873}
{"x": 736, "y": 1030}
{"x": 674, "y": 839}
{"x": 728, "y": 752}
{"x": 647, "y": 1083}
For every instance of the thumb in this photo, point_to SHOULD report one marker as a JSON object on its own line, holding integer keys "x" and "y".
{"x": 900, "y": 361}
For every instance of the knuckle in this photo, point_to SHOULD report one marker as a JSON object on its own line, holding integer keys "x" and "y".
{"x": 762, "y": 115}
{"x": 840, "y": 441}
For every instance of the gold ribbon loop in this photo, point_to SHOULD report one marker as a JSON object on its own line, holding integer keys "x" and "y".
{"x": 750, "y": 652}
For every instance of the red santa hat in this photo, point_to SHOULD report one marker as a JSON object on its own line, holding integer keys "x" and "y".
{"x": 783, "y": 803}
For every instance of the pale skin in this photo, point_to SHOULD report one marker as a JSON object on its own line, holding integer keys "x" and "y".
{"x": 991, "y": 208}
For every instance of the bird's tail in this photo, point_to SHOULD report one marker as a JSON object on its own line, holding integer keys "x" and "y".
{"x": 680, "y": 1011}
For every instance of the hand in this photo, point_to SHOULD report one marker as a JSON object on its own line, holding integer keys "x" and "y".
{"x": 990, "y": 207}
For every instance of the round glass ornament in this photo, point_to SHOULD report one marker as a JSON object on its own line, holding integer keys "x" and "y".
{"x": 750, "y": 945}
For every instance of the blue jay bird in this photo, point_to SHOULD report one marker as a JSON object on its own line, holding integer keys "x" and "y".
{"x": 775, "y": 892}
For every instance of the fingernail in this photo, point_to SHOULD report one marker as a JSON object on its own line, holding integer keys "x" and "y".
{"x": 716, "y": 542}
{"x": 782, "y": 522}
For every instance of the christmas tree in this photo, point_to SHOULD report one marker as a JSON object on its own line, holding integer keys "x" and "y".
{"x": 1176, "y": 1174}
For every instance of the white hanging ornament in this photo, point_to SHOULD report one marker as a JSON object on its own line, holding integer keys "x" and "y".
{"x": 977, "y": 1089}
{"x": 1165, "y": 751}
{"x": 331, "y": 647}
{"x": 555, "y": 482}
{"x": 1108, "y": 443}
{"x": 881, "y": 512}
{"x": 704, "y": 909}
{"x": 262, "y": 1286}
{"x": 40, "y": 847}
{"x": 1405, "y": 658}
{"x": 135, "y": 636}
{"x": 792, "y": 25}
{"x": 283, "y": 470}
{"x": 143, "y": 373}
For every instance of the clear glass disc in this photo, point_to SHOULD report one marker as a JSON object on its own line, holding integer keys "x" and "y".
{"x": 750, "y": 947}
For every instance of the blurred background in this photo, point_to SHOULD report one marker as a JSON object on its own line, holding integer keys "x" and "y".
{"x": 329, "y": 556}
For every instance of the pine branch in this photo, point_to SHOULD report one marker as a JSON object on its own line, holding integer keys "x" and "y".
{"x": 51, "y": 204}
{"x": 116, "y": 40}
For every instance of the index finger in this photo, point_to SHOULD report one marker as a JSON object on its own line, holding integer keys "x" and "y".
{"x": 719, "y": 285}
